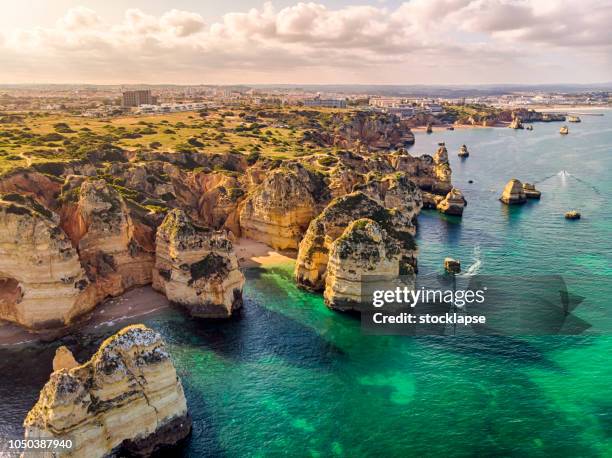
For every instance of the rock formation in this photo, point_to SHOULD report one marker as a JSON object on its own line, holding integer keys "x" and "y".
{"x": 453, "y": 203}
{"x": 113, "y": 250}
{"x": 127, "y": 399}
{"x": 452, "y": 266}
{"x": 564, "y": 130}
{"x": 516, "y": 123}
{"x": 572, "y": 214}
{"x": 530, "y": 191}
{"x": 463, "y": 151}
{"x": 513, "y": 193}
{"x": 314, "y": 248}
{"x": 42, "y": 283}
{"x": 363, "y": 253}
{"x": 279, "y": 210}
{"x": 197, "y": 268}
{"x": 64, "y": 359}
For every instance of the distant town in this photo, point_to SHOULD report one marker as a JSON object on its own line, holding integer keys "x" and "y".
{"x": 110, "y": 101}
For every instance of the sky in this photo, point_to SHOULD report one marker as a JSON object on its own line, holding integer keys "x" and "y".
{"x": 320, "y": 42}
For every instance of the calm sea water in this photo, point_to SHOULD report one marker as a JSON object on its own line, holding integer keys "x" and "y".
{"x": 289, "y": 377}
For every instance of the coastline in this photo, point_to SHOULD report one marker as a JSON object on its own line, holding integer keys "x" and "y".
{"x": 137, "y": 302}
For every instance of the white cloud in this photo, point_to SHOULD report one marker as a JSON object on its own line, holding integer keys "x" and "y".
{"x": 439, "y": 41}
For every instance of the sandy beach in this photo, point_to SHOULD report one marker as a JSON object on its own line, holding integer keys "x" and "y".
{"x": 138, "y": 302}
{"x": 256, "y": 254}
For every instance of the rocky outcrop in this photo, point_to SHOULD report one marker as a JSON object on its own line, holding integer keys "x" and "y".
{"x": 363, "y": 253}
{"x": 564, "y": 130}
{"x": 463, "y": 152}
{"x": 42, "y": 283}
{"x": 279, "y": 210}
{"x": 64, "y": 359}
{"x": 197, "y": 268}
{"x": 126, "y": 400}
{"x": 313, "y": 254}
{"x": 115, "y": 252}
{"x": 516, "y": 123}
{"x": 572, "y": 214}
{"x": 513, "y": 193}
{"x": 394, "y": 191}
{"x": 431, "y": 174}
{"x": 453, "y": 203}
{"x": 530, "y": 191}
{"x": 452, "y": 266}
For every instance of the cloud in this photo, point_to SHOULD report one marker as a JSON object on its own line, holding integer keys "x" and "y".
{"x": 415, "y": 42}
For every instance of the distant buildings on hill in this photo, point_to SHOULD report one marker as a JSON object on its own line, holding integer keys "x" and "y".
{"x": 327, "y": 103}
{"x": 137, "y": 98}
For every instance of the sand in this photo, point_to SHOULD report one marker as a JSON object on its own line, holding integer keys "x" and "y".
{"x": 256, "y": 254}
{"x": 138, "y": 302}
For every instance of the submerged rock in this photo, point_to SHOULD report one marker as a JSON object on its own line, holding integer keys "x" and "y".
{"x": 513, "y": 193}
{"x": 363, "y": 253}
{"x": 452, "y": 266}
{"x": 126, "y": 400}
{"x": 530, "y": 191}
{"x": 197, "y": 268}
{"x": 453, "y": 203}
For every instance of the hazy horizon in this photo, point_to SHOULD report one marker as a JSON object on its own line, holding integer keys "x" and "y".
{"x": 380, "y": 42}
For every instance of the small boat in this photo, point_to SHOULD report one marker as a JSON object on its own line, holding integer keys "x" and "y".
{"x": 450, "y": 128}
{"x": 564, "y": 130}
{"x": 463, "y": 151}
{"x": 572, "y": 118}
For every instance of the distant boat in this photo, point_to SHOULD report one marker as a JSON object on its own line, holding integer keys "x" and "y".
{"x": 450, "y": 128}
{"x": 572, "y": 118}
{"x": 564, "y": 130}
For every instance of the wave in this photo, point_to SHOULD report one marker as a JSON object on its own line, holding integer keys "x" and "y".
{"x": 474, "y": 269}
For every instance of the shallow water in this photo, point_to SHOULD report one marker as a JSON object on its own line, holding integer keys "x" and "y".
{"x": 290, "y": 377}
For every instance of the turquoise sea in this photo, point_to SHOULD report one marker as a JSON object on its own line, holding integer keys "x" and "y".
{"x": 289, "y": 377}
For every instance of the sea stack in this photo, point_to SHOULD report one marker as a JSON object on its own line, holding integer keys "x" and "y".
{"x": 572, "y": 214}
{"x": 564, "y": 130}
{"x": 429, "y": 128}
{"x": 363, "y": 253}
{"x": 453, "y": 203}
{"x": 516, "y": 123}
{"x": 197, "y": 268}
{"x": 126, "y": 400}
{"x": 513, "y": 193}
{"x": 530, "y": 191}
{"x": 463, "y": 151}
{"x": 452, "y": 266}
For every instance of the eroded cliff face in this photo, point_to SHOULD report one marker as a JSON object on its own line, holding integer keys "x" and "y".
{"x": 110, "y": 244}
{"x": 197, "y": 268}
{"x": 127, "y": 399}
{"x": 313, "y": 254}
{"x": 453, "y": 203}
{"x": 279, "y": 210}
{"x": 363, "y": 254}
{"x": 42, "y": 283}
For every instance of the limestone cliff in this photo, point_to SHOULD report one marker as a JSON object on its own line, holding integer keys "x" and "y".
{"x": 197, "y": 268}
{"x": 363, "y": 254}
{"x": 431, "y": 174}
{"x": 279, "y": 210}
{"x": 396, "y": 190}
{"x": 127, "y": 399}
{"x": 311, "y": 264}
{"x": 42, "y": 283}
{"x": 112, "y": 249}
